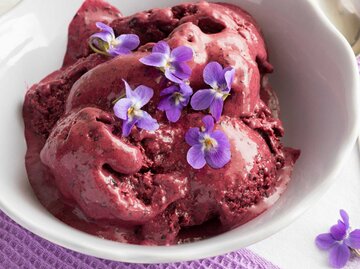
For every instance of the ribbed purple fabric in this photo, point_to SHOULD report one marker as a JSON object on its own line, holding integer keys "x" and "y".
{"x": 20, "y": 248}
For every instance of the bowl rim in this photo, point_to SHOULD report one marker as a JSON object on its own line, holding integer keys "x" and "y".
{"x": 211, "y": 246}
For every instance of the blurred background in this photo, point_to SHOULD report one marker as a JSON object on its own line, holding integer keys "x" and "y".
{"x": 345, "y": 15}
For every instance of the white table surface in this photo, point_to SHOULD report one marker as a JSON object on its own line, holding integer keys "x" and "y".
{"x": 293, "y": 247}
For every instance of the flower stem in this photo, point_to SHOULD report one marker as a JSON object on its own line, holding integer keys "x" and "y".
{"x": 96, "y": 49}
{"x": 122, "y": 95}
{"x": 356, "y": 252}
{"x": 226, "y": 96}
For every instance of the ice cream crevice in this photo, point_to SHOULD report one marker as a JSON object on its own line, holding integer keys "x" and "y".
{"x": 210, "y": 26}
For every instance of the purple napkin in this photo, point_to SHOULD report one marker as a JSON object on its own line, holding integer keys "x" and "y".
{"x": 20, "y": 248}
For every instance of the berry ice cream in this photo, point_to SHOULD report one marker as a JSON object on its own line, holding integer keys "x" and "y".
{"x": 98, "y": 170}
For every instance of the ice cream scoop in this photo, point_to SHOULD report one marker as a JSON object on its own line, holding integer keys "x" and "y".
{"x": 138, "y": 186}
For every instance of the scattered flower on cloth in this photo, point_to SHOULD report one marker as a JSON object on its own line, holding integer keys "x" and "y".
{"x": 341, "y": 241}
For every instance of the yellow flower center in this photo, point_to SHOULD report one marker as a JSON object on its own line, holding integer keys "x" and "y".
{"x": 209, "y": 143}
{"x": 177, "y": 97}
{"x": 217, "y": 90}
{"x": 114, "y": 43}
{"x": 167, "y": 64}
{"x": 134, "y": 111}
{"x": 131, "y": 112}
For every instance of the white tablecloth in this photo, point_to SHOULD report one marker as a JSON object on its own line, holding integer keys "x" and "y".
{"x": 293, "y": 247}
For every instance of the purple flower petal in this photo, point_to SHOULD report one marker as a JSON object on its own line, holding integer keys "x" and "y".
{"x": 186, "y": 92}
{"x": 128, "y": 90}
{"x": 339, "y": 256}
{"x": 182, "y": 54}
{"x": 214, "y": 147}
{"x": 221, "y": 155}
{"x": 128, "y": 41}
{"x": 161, "y": 47}
{"x": 104, "y": 36}
{"x": 325, "y": 241}
{"x": 202, "y": 99}
{"x": 121, "y": 108}
{"x": 208, "y": 122}
{"x": 192, "y": 136}
{"x": 147, "y": 122}
{"x": 169, "y": 90}
{"x": 106, "y": 43}
{"x": 127, "y": 126}
{"x": 170, "y": 76}
{"x": 229, "y": 77}
{"x": 345, "y": 218}
{"x": 195, "y": 157}
{"x": 171, "y": 63}
{"x": 105, "y": 28}
{"x": 221, "y": 138}
{"x": 115, "y": 51}
{"x": 173, "y": 113}
{"x": 185, "y": 89}
{"x": 154, "y": 59}
{"x": 216, "y": 107}
{"x": 185, "y": 102}
{"x": 218, "y": 157}
{"x": 353, "y": 240}
{"x": 182, "y": 70}
{"x": 144, "y": 94}
{"x": 338, "y": 231}
{"x": 213, "y": 74}
{"x": 136, "y": 99}
{"x": 165, "y": 103}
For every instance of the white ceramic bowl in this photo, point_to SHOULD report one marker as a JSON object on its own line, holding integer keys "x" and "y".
{"x": 315, "y": 76}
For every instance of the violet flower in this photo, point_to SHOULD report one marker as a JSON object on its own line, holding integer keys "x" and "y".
{"x": 220, "y": 81}
{"x": 340, "y": 241}
{"x": 207, "y": 146}
{"x": 128, "y": 109}
{"x": 172, "y": 63}
{"x": 105, "y": 42}
{"x": 175, "y": 98}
